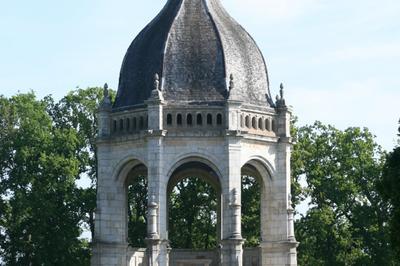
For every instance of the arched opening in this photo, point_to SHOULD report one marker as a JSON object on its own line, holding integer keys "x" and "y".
{"x": 115, "y": 126}
{"x": 141, "y": 123}
{"x": 121, "y": 124}
{"x": 169, "y": 119}
{"x": 260, "y": 124}
{"x": 241, "y": 121}
{"x": 209, "y": 119}
{"x": 189, "y": 120}
{"x": 254, "y": 123}
{"x": 128, "y": 124}
{"x": 219, "y": 119}
{"x": 268, "y": 124}
{"x": 247, "y": 121}
{"x": 253, "y": 202}
{"x": 179, "y": 119}
{"x": 194, "y": 202}
{"x": 199, "y": 119}
{"x": 136, "y": 185}
{"x": 134, "y": 124}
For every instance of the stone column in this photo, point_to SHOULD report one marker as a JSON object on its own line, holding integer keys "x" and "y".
{"x": 236, "y": 215}
{"x": 232, "y": 242}
{"x": 110, "y": 241}
{"x": 157, "y": 245}
{"x": 279, "y": 245}
{"x": 232, "y": 114}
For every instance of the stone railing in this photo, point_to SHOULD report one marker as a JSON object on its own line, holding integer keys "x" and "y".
{"x": 179, "y": 119}
{"x": 258, "y": 123}
{"x": 129, "y": 122}
{"x": 186, "y": 257}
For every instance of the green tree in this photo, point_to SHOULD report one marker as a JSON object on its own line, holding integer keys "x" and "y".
{"x": 251, "y": 211}
{"x": 39, "y": 201}
{"x": 137, "y": 212}
{"x": 346, "y": 222}
{"x": 193, "y": 215}
{"x": 77, "y": 111}
{"x": 389, "y": 186}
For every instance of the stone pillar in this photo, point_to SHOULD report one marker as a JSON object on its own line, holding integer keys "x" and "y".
{"x": 232, "y": 242}
{"x": 279, "y": 245}
{"x": 157, "y": 243}
{"x": 291, "y": 235}
{"x": 110, "y": 241}
{"x": 232, "y": 114}
{"x": 236, "y": 215}
{"x": 152, "y": 227}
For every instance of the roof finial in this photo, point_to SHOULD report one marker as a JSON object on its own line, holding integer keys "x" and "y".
{"x": 231, "y": 82}
{"x": 106, "y": 102}
{"x": 105, "y": 91}
{"x": 156, "y": 93}
{"x": 280, "y": 100}
{"x": 156, "y": 82}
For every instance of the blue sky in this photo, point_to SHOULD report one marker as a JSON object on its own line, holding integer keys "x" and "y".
{"x": 339, "y": 60}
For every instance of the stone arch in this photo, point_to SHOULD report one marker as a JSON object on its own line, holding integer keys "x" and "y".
{"x": 262, "y": 164}
{"x": 122, "y": 168}
{"x": 127, "y": 170}
{"x": 263, "y": 172}
{"x": 195, "y": 156}
{"x": 202, "y": 168}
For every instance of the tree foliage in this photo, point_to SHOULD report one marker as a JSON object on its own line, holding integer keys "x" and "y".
{"x": 193, "y": 215}
{"x": 389, "y": 187}
{"x": 77, "y": 111}
{"x": 40, "y": 217}
{"x": 346, "y": 222}
{"x": 46, "y": 148}
{"x": 137, "y": 211}
{"x": 251, "y": 211}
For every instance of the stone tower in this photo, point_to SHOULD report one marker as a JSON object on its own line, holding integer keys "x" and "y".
{"x": 194, "y": 100}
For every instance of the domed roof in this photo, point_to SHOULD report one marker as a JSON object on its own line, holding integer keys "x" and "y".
{"x": 195, "y": 47}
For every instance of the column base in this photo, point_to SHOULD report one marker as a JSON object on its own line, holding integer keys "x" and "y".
{"x": 232, "y": 252}
{"x": 157, "y": 252}
{"x": 279, "y": 253}
{"x": 109, "y": 254}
